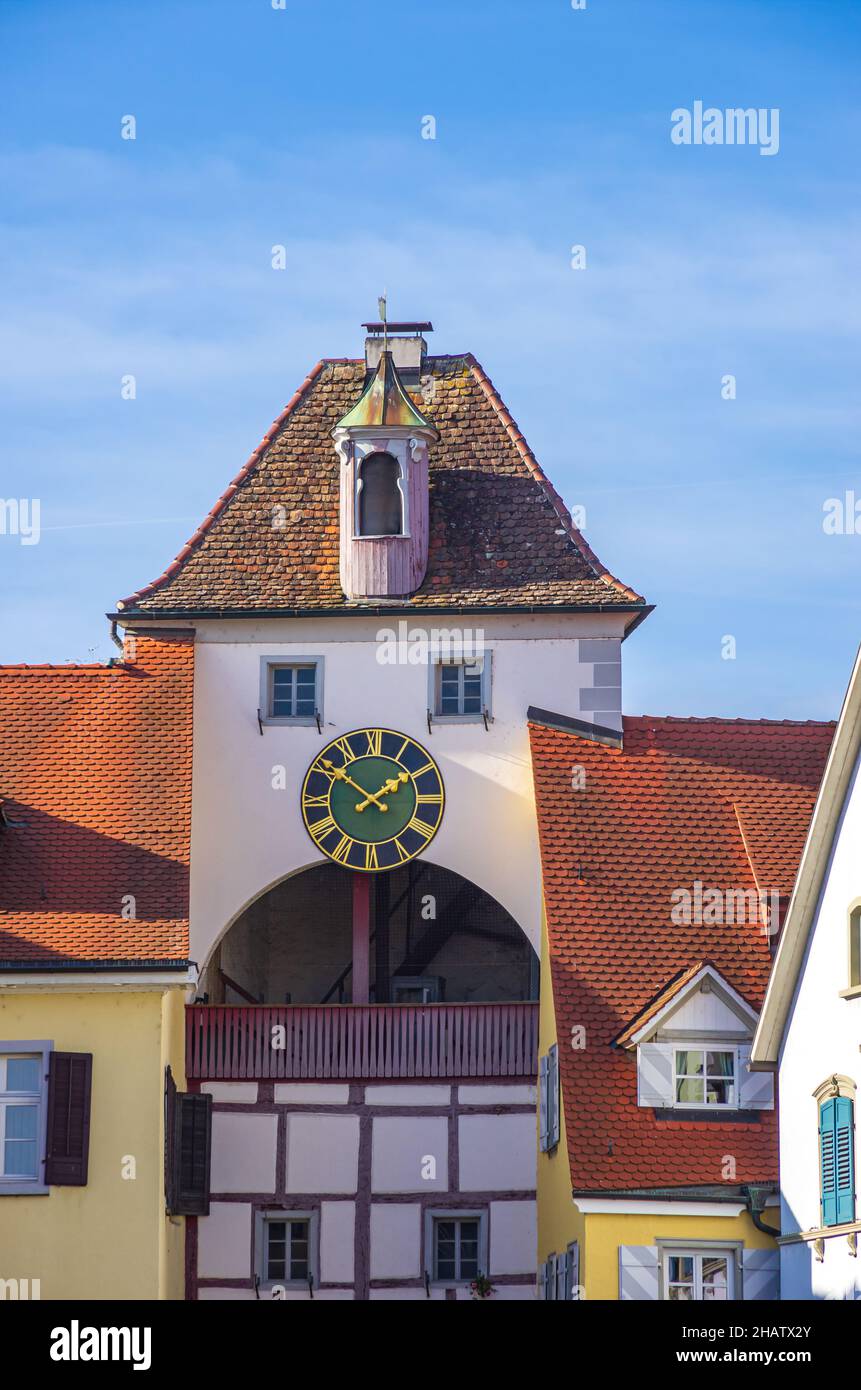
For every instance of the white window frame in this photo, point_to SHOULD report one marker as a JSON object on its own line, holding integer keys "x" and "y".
{"x": 268, "y": 664}
{"x": 16, "y": 1184}
{"x": 698, "y": 1253}
{"x": 261, "y": 1246}
{"x": 435, "y": 665}
{"x": 705, "y": 1049}
{"x": 436, "y": 1214}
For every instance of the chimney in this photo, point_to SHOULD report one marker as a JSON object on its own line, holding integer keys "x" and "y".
{"x": 405, "y": 341}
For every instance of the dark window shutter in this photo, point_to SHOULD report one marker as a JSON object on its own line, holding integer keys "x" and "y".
{"x": 192, "y": 1143}
{"x": 70, "y": 1080}
{"x": 169, "y": 1140}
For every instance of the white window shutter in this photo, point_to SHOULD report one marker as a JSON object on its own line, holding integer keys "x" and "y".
{"x": 755, "y": 1088}
{"x": 553, "y": 1097}
{"x": 760, "y": 1274}
{"x": 639, "y": 1273}
{"x": 562, "y": 1277}
{"x": 655, "y": 1077}
{"x": 542, "y": 1103}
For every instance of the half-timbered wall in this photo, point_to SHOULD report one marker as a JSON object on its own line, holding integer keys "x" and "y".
{"x": 357, "y": 1156}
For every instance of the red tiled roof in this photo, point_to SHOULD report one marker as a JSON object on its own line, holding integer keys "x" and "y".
{"x": 499, "y": 533}
{"x": 95, "y": 782}
{"x": 657, "y": 815}
{"x": 675, "y": 987}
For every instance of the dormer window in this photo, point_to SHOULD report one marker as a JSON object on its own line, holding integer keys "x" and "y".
{"x": 379, "y": 498}
{"x": 705, "y": 1078}
{"x": 693, "y": 1048}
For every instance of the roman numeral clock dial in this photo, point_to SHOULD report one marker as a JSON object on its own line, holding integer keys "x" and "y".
{"x": 372, "y": 800}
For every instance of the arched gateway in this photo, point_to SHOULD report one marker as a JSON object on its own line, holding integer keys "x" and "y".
{"x": 364, "y": 1059}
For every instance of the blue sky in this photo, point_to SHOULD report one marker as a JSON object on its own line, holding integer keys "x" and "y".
{"x": 302, "y": 127}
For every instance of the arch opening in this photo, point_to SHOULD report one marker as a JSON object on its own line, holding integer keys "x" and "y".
{"x": 381, "y": 511}
{"x": 435, "y": 937}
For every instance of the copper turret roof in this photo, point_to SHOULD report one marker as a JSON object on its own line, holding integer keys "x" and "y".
{"x": 384, "y": 401}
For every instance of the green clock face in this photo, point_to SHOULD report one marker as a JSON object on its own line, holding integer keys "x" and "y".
{"x": 372, "y": 800}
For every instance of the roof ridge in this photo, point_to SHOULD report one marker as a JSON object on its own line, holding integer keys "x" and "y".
{"x": 231, "y": 489}
{"x": 518, "y": 440}
{"x": 724, "y": 719}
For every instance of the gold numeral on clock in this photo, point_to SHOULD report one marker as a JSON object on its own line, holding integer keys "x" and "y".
{"x": 375, "y": 742}
{"x": 403, "y": 855}
{"x": 342, "y": 849}
{"x": 419, "y": 770}
{"x": 312, "y": 801}
{"x": 420, "y": 827}
{"x": 429, "y": 799}
{"x": 321, "y": 828}
{"x": 371, "y": 860}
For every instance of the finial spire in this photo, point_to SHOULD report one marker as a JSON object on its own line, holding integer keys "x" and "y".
{"x": 381, "y": 305}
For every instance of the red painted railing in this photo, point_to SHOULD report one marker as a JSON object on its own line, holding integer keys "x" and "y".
{"x": 358, "y": 1041}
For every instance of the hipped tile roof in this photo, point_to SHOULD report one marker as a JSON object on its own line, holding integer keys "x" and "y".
{"x": 95, "y": 780}
{"x": 656, "y": 815}
{"x": 499, "y": 533}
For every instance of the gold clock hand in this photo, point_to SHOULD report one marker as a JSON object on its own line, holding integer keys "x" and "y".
{"x": 342, "y": 776}
{"x": 391, "y": 785}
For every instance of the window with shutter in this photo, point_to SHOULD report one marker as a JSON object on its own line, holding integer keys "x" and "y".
{"x": 188, "y": 1130}
{"x": 553, "y": 1097}
{"x": 655, "y": 1075}
{"x": 572, "y": 1270}
{"x": 543, "y": 1131}
{"x": 194, "y": 1139}
{"x": 68, "y": 1141}
{"x": 837, "y": 1160}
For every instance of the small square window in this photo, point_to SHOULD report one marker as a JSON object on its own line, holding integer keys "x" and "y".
{"x": 460, "y": 689}
{"x": 705, "y": 1078}
{"x": 699, "y": 1276}
{"x": 456, "y": 1246}
{"x": 291, "y": 691}
{"x": 286, "y": 1247}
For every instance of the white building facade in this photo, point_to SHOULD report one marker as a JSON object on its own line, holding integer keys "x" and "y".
{"x": 810, "y": 1030}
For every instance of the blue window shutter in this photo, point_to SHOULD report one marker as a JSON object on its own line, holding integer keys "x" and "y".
{"x": 828, "y": 1160}
{"x": 844, "y": 1158}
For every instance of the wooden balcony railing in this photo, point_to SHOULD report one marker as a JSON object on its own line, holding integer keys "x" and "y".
{"x": 360, "y": 1041}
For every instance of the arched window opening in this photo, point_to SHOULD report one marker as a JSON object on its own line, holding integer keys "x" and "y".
{"x": 837, "y": 1152}
{"x": 855, "y": 948}
{"x": 380, "y": 498}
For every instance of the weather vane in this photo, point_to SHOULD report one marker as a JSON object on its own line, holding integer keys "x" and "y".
{"x": 381, "y": 305}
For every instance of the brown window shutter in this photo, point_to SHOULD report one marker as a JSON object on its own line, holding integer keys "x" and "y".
{"x": 192, "y": 1144}
{"x": 70, "y": 1079}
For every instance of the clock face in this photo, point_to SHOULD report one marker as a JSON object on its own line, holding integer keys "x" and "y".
{"x": 372, "y": 800}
